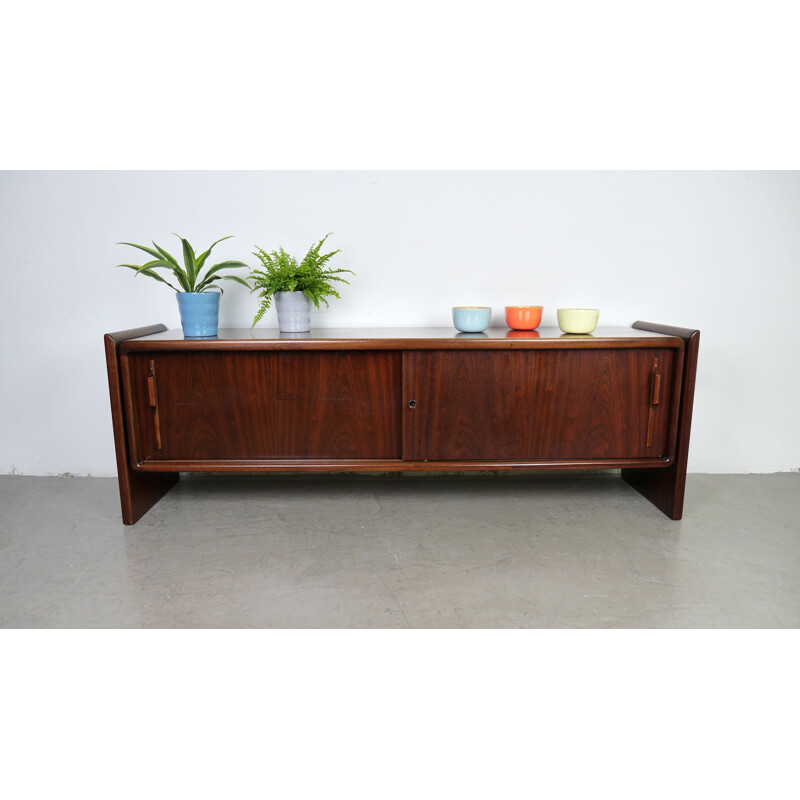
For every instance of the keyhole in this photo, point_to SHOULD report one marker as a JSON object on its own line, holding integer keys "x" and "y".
{"x": 412, "y": 403}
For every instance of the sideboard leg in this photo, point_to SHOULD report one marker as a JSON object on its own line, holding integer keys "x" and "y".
{"x": 665, "y": 488}
{"x": 138, "y": 491}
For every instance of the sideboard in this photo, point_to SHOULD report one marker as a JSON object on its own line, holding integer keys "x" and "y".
{"x": 401, "y": 400}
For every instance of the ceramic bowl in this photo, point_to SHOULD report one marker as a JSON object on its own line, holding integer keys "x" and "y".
{"x": 523, "y": 318}
{"x": 578, "y": 320}
{"x": 472, "y": 319}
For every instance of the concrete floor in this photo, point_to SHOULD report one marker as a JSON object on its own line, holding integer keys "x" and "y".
{"x": 538, "y": 551}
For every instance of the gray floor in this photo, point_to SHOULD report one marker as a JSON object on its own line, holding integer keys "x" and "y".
{"x": 543, "y": 551}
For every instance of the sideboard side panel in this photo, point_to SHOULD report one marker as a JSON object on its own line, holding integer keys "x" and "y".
{"x": 138, "y": 491}
{"x": 665, "y": 487}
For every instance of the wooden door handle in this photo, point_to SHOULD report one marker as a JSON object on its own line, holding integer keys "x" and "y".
{"x": 151, "y": 390}
{"x": 656, "y": 389}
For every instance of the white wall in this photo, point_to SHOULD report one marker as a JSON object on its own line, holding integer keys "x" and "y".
{"x": 714, "y": 251}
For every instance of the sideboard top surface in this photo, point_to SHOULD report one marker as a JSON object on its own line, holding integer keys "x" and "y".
{"x": 402, "y": 339}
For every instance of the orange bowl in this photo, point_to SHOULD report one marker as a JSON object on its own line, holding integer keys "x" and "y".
{"x": 523, "y": 318}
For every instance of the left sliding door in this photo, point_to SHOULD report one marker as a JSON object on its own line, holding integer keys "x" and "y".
{"x": 231, "y": 406}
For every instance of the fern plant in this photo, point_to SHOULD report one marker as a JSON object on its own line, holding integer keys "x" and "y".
{"x": 282, "y": 273}
{"x": 188, "y": 277}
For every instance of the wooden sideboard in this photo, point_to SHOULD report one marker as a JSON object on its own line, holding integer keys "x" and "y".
{"x": 416, "y": 399}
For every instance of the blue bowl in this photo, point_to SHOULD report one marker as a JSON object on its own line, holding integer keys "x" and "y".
{"x": 472, "y": 319}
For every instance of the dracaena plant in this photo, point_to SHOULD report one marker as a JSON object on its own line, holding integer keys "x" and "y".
{"x": 282, "y": 273}
{"x": 189, "y": 277}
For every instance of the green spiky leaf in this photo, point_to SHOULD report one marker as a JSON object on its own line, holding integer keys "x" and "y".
{"x": 164, "y": 254}
{"x": 189, "y": 262}
{"x": 147, "y": 250}
{"x": 160, "y": 264}
{"x": 187, "y": 276}
{"x": 201, "y": 259}
{"x": 236, "y": 279}
{"x": 212, "y": 274}
{"x": 149, "y": 273}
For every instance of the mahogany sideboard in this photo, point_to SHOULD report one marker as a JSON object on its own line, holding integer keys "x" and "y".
{"x": 416, "y": 399}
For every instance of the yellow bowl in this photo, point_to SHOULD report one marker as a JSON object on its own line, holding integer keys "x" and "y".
{"x": 578, "y": 320}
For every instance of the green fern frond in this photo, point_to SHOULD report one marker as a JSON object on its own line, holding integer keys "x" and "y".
{"x": 282, "y": 273}
{"x": 260, "y": 313}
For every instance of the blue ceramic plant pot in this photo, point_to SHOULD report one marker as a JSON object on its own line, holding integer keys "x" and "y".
{"x": 199, "y": 314}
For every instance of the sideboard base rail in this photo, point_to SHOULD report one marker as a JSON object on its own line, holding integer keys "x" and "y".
{"x": 307, "y": 465}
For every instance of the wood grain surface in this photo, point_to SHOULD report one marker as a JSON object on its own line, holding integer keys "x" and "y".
{"x": 403, "y": 339}
{"x": 535, "y": 405}
{"x": 138, "y": 492}
{"x": 245, "y": 405}
{"x": 666, "y": 488}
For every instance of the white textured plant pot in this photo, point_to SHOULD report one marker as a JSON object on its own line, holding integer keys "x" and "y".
{"x": 294, "y": 312}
